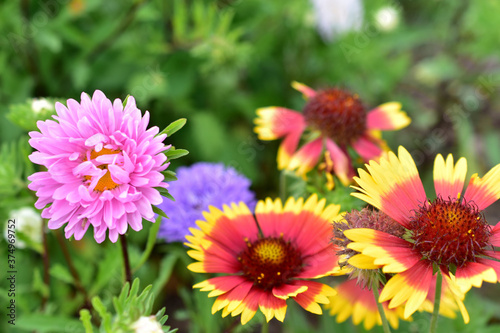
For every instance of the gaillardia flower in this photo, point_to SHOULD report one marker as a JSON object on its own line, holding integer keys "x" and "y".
{"x": 357, "y": 265}
{"x": 199, "y": 186}
{"x": 448, "y": 233}
{"x": 333, "y": 120}
{"x": 266, "y": 258}
{"x": 103, "y": 165}
{"x": 353, "y": 300}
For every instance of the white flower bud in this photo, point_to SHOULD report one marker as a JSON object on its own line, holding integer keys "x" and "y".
{"x": 147, "y": 325}
{"x": 335, "y": 17}
{"x": 38, "y": 104}
{"x": 28, "y": 221}
{"x": 387, "y": 18}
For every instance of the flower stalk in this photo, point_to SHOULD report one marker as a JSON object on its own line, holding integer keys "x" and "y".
{"x": 437, "y": 302}
{"x": 126, "y": 261}
{"x": 385, "y": 323}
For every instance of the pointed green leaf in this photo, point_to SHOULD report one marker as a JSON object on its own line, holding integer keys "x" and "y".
{"x": 144, "y": 297}
{"x": 148, "y": 303}
{"x": 125, "y": 100}
{"x": 169, "y": 176}
{"x": 124, "y": 293}
{"x": 172, "y": 154}
{"x": 160, "y": 212}
{"x": 161, "y": 317}
{"x": 135, "y": 288}
{"x": 174, "y": 127}
{"x": 168, "y": 195}
{"x": 163, "y": 191}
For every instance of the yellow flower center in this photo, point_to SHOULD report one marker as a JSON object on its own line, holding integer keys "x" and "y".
{"x": 338, "y": 114}
{"x": 271, "y": 252}
{"x": 270, "y": 262}
{"x": 105, "y": 182}
{"x": 449, "y": 232}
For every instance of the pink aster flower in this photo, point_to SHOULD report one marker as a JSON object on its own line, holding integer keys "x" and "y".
{"x": 103, "y": 166}
{"x": 332, "y": 121}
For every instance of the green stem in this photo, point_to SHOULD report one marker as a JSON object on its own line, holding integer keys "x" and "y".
{"x": 282, "y": 185}
{"x": 126, "y": 261}
{"x": 153, "y": 233}
{"x": 265, "y": 326}
{"x": 385, "y": 323}
{"x": 437, "y": 302}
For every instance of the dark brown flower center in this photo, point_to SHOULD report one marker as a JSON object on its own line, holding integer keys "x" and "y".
{"x": 105, "y": 182}
{"x": 449, "y": 232}
{"x": 270, "y": 262}
{"x": 338, "y": 114}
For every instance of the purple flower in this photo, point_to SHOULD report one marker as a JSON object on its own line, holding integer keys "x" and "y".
{"x": 200, "y": 186}
{"x": 103, "y": 165}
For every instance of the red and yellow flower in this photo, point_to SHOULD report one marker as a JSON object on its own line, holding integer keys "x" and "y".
{"x": 448, "y": 233}
{"x": 354, "y": 301}
{"x": 332, "y": 120}
{"x": 266, "y": 258}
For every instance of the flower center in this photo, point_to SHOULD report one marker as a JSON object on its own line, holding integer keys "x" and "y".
{"x": 449, "y": 232}
{"x": 337, "y": 114}
{"x": 105, "y": 182}
{"x": 366, "y": 218}
{"x": 270, "y": 262}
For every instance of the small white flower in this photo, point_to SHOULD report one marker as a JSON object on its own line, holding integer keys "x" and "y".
{"x": 38, "y": 104}
{"x": 335, "y": 17}
{"x": 387, "y": 18}
{"x": 147, "y": 325}
{"x": 28, "y": 221}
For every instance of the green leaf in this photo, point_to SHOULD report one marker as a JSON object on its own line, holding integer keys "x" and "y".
{"x": 174, "y": 127}
{"x": 160, "y": 212}
{"x": 168, "y": 195}
{"x": 172, "y": 154}
{"x": 161, "y": 317}
{"x": 125, "y": 100}
{"x": 61, "y": 272}
{"x": 162, "y": 190}
{"x": 153, "y": 232}
{"x": 169, "y": 176}
{"x": 134, "y": 289}
{"x": 85, "y": 318}
{"x": 123, "y": 294}
{"x": 103, "y": 312}
{"x": 141, "y": 299}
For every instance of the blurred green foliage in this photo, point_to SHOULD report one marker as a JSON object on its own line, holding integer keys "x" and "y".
{"x": 215, "y": 62}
